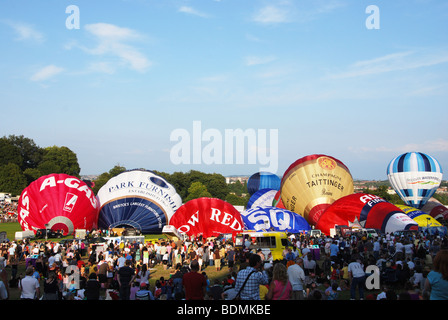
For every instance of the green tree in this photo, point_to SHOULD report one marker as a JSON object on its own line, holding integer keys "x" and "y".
{"x": 235, "y": 200}
{"x": 32, "y": 174}
{"x": 59, "y": 160}
{"x": 197, "y": 190}
{"x": 104, "y": 177}
{"x": 30, "y": 153}
{"x": 9, "y": 153}
{"x": 381, "y": 191}
{"x": 217, "y": 185}
{"x": 12, "y": 179}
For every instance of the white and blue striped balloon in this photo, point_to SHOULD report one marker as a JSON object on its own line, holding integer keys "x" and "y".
{"x": 415, "y": 177}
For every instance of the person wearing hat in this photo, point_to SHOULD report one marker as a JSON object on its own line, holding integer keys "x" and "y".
{"x": 144, "y": 293}
{"x": 29, "y": 286}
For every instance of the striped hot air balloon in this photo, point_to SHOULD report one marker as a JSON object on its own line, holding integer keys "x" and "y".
{"x": 263, "y": 180}
{"x": 415, "y": 177}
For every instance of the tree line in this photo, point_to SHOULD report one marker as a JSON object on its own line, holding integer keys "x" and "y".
{"x": 22, "y": 161}
{"x": 191, "y": 185}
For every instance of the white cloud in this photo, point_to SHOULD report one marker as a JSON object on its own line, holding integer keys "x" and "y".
{"x": 256, "y": 60}
{"x": 192, "y": 11}
{"x": 26, "y": 32}
{"x": 271, "y": 15}
{"x": 112, "y": 40}
{"x": 46, "y": 73}
{"x": 286, "y": 11}
{"x": 392, "y": 62}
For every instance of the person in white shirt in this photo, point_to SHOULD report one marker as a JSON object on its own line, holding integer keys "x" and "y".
{"x": 51, "y": 261}
{"x": 408, "y": 250}
{"x": 399, "y": 248}
{"x": 296, "y": 276}
{"x": 357, "y": 276}
{"x": 29, "y": 286}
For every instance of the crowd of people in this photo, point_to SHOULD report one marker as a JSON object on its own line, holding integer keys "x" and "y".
{"x": 8, "y": 211}
{"x": 410, "y": 266}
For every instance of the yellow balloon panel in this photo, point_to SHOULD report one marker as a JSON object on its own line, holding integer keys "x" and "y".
{"x": 422, "y": 218}
{"x": 313, "y": 183}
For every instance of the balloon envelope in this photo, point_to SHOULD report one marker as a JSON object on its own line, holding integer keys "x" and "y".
{"x": 60, "y": 201}
{"x": 277, "y": 201}
{"x": 415, "y": 177}
{"x": 272, "y": 218}
{"x": 361, "y": 210}
{"x": 313, "y": 183}
{"x": 435, "y": 209}
{"x": 263, "y": 180}
{"x": 208, "y": 217}
{"x": 139, "y": 199}
{"x": 422, "y": 218}
{"x": 263, "y": 197}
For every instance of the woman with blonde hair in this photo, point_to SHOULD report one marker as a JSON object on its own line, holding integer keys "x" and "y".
{"x": 280, "y": 288}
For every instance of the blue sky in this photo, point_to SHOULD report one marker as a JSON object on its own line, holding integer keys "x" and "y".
{"x": 115, "y": 89}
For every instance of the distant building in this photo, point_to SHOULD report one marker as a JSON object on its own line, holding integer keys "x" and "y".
{"x": 233, "y": 179}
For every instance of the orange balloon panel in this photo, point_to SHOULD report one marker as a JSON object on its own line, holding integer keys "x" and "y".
{"x": 313, "y": 183}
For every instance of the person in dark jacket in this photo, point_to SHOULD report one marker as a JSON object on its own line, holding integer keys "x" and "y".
{"x": 93, "y": 287}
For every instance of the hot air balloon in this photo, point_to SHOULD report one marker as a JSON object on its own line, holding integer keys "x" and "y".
{"x": 58, "y": 202}
{"x": 415, "y": 177}
{"x": 208, "y": 217}
{"x": 422, "y": 218}
{"x": 263, "y": 197}
{"x": 137, "y": 199}
{"x": 312, "y": 183}
{"x": 436, "y": 209}
{"x": 275, "y": 219}
{"x": 262, "y": 180}
{"x": 277, "y": 201}
{"x": 362, "y": 210}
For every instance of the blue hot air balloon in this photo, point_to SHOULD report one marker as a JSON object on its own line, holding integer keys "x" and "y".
{"x": 263, "y": 180}
{"x": 261, "y": 198}
{"x": 273, "y": 218}
{"x": 415, "y": 177}
{"x": 139, "y": 199}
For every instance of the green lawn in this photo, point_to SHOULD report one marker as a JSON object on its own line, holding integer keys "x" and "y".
{"x": 10, "y": 228}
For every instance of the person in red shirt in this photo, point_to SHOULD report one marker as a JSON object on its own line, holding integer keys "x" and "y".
{"x": 194, "y": 283}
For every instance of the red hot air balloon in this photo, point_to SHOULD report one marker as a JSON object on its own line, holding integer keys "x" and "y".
{"x": 207, "y": 217}
{"x": 436, "y": 209}
{"x": 364, "y": 210}
{"x": 59, "y": 202}
{"x": 277, "y": 202}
